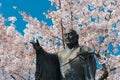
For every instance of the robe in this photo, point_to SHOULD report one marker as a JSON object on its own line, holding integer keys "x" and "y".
{"x": 66, "y": 65}
{"x": 47, "y": 66}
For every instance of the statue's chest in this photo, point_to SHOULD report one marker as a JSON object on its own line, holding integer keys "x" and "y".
{"x": 66, "y": 58}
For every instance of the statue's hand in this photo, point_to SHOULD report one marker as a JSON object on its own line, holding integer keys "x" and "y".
{"x": 36, "y": 45}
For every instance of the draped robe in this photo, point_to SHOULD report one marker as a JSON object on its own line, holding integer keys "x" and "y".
{"x": 47, "y": 66}
{"x": 76, "y": 64}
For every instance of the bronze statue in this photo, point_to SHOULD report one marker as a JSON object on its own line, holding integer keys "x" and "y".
{"x": 74, "y": 62}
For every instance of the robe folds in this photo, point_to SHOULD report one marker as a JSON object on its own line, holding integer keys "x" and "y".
{"x": 47, "y": 66}
{"x": 78, "y": 64}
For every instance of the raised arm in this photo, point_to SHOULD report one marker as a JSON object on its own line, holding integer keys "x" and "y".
{"x": 47, "y": 65}
{"x": 37, "y": 46}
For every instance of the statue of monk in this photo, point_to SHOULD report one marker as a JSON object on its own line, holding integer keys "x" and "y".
{"x": 75, "y": 62}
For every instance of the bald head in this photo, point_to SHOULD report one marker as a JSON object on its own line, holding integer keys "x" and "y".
{"x": 70, "y": 31}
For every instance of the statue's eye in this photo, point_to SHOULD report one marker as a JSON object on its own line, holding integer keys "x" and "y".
{"x": 70, "y": 34}
{"x": 64, "y": 35}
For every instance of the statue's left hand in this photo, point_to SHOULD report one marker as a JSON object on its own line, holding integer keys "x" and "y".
{"x": 36, "y": 45}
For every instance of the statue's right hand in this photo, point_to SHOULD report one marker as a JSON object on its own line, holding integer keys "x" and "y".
{"x": 36, "y": 45}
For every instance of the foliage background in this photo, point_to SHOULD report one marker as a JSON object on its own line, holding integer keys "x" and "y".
{"x": 96, "y": 21}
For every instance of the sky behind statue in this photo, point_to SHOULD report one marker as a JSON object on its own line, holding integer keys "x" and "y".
{"x": 34, "y": 8}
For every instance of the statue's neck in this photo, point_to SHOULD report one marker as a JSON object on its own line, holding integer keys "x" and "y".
{"x": 72, "y": 45}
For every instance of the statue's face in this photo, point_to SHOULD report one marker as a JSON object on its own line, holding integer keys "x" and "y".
{"x": 70, "y": 36}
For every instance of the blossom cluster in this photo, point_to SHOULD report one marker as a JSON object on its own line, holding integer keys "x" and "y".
{"x": 96, "y": 21}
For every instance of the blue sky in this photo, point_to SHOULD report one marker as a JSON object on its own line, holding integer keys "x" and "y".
{"x": 33, "y": 7}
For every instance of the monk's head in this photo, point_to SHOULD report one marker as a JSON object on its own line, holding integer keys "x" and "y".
{"x": 70, "y": 37}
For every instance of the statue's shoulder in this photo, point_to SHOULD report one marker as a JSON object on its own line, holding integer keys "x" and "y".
{"x": 85, "y": 48}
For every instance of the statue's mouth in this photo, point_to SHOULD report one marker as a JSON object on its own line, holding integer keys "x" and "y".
{"x": 68, "y": 42}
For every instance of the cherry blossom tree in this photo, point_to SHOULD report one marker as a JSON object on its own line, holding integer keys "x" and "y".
{"x": 16, "y": 57}
{"x": 97, "y": 26}
{"x": 96, "y": 21}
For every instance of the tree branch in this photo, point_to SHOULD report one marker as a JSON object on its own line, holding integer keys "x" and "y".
{"x": 59, "y": 4}
{"x": 61, "y": 26}
{"x": 13, "y": 77}
{"x": 19, "y": 76}
{"x": 62, "y": 34}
